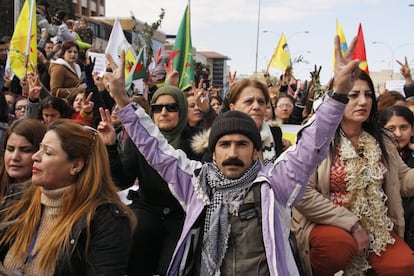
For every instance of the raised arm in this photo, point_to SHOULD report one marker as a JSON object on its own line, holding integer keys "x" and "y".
{"x": 295, "y": 166}
{"x": 171, "y": 164}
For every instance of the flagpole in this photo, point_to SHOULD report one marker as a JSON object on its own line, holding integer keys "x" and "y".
{"x": 270, "y": 61}
{"x": 29, "y": 36}
{"x": 257, "y": 39}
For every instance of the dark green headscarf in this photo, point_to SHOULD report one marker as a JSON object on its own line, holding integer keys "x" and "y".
{"x": 174, "y": 136}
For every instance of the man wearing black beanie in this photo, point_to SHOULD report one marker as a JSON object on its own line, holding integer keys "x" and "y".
{"x": 237, "y": 209}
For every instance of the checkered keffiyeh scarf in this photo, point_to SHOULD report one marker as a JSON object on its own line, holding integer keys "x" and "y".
{"x": 226, "y": 197}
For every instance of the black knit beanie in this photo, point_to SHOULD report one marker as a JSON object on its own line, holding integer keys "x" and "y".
{"x": 232, "y": 122}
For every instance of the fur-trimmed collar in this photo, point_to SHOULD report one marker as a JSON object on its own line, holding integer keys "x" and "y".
{"x": 63, "y": 62}
{"x": 199, "y": 142}
{"x": 275, "y": 122}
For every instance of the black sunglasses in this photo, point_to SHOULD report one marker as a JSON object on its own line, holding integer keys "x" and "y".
{"x": 171, "y": 107}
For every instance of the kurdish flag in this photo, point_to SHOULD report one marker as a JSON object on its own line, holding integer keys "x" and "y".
{"x": 281, "y": 57}
{"x": 136, "y": 71}
{"x": 181, "y": 58}
{"x": 23, "y": 44}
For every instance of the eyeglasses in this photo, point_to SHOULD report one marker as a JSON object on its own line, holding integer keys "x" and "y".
{"x": 284, "y": 105}
{"x": 20, "y": 107}
{"x": 171, "y": 107}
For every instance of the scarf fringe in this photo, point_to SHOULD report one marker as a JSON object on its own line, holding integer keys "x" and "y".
{"x": 224, "y": 199}
{"x": 364, "y": 175}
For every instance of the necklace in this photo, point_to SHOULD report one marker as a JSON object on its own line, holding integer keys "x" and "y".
{"x": 364, "y": 176}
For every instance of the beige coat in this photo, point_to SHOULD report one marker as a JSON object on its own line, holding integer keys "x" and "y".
{"x": 63, "y": 78}
{"x": 399, "y": 180}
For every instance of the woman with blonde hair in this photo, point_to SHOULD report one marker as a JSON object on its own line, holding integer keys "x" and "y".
{"x": 71, "y": 220}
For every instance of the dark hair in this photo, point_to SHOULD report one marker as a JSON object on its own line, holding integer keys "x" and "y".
{"x": 57, "y": 104}
{"x": 389, "y": 98}
{"x": 284, "y": 95}
{"x": 43, "y": 3}
{"x": 66, "y": 46}
{"x": 42, "y": 50}
{"x": 6, "y": 39}
{"x": 71, "y": 98}
{"x": 4, "y": 109}
{"x": 272, "y": 108}
{"x": 396, "y": 110}
{"x": 371, "y": 124}
{"x": 31, "y": 129}
{"x": 19, "y": 98}
{"x": 218, "y": 98}
{"x": 61, "y": 14}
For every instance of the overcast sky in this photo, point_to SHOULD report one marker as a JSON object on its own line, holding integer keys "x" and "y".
{"x": 229, "y": 27}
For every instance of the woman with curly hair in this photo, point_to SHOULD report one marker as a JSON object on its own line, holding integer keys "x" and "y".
{"x": 351, "y": 216}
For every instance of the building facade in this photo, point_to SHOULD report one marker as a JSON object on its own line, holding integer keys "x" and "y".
{"x": 89, "y": 7}
{"x": 215, "y": 65}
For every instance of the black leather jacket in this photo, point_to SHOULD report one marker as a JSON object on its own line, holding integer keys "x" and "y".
{"x": 109, "y": 245}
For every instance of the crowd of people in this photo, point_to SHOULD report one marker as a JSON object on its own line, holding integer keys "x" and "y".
{"x": 213, "y": 186}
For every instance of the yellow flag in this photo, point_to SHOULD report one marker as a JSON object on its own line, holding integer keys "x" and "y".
{"x": 23, "y": 44}
{"x": 130, "y": 59}
{"x": 342, "y": 40}
{"x": 281, "y": 56}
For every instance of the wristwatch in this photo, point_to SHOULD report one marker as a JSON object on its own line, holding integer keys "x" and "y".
{"x": 338, "y": 96}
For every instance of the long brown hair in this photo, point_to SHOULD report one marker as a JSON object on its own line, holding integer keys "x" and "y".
{"x": 31, "y": 129}
{"x": 93, "y": 187}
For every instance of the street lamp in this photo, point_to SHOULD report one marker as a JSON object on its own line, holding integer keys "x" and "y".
{"x": 392, "y": 55}
{"x": 257, "y": 39}
{"x": 393, "y": 51}
{"x": 296, "y": 33}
